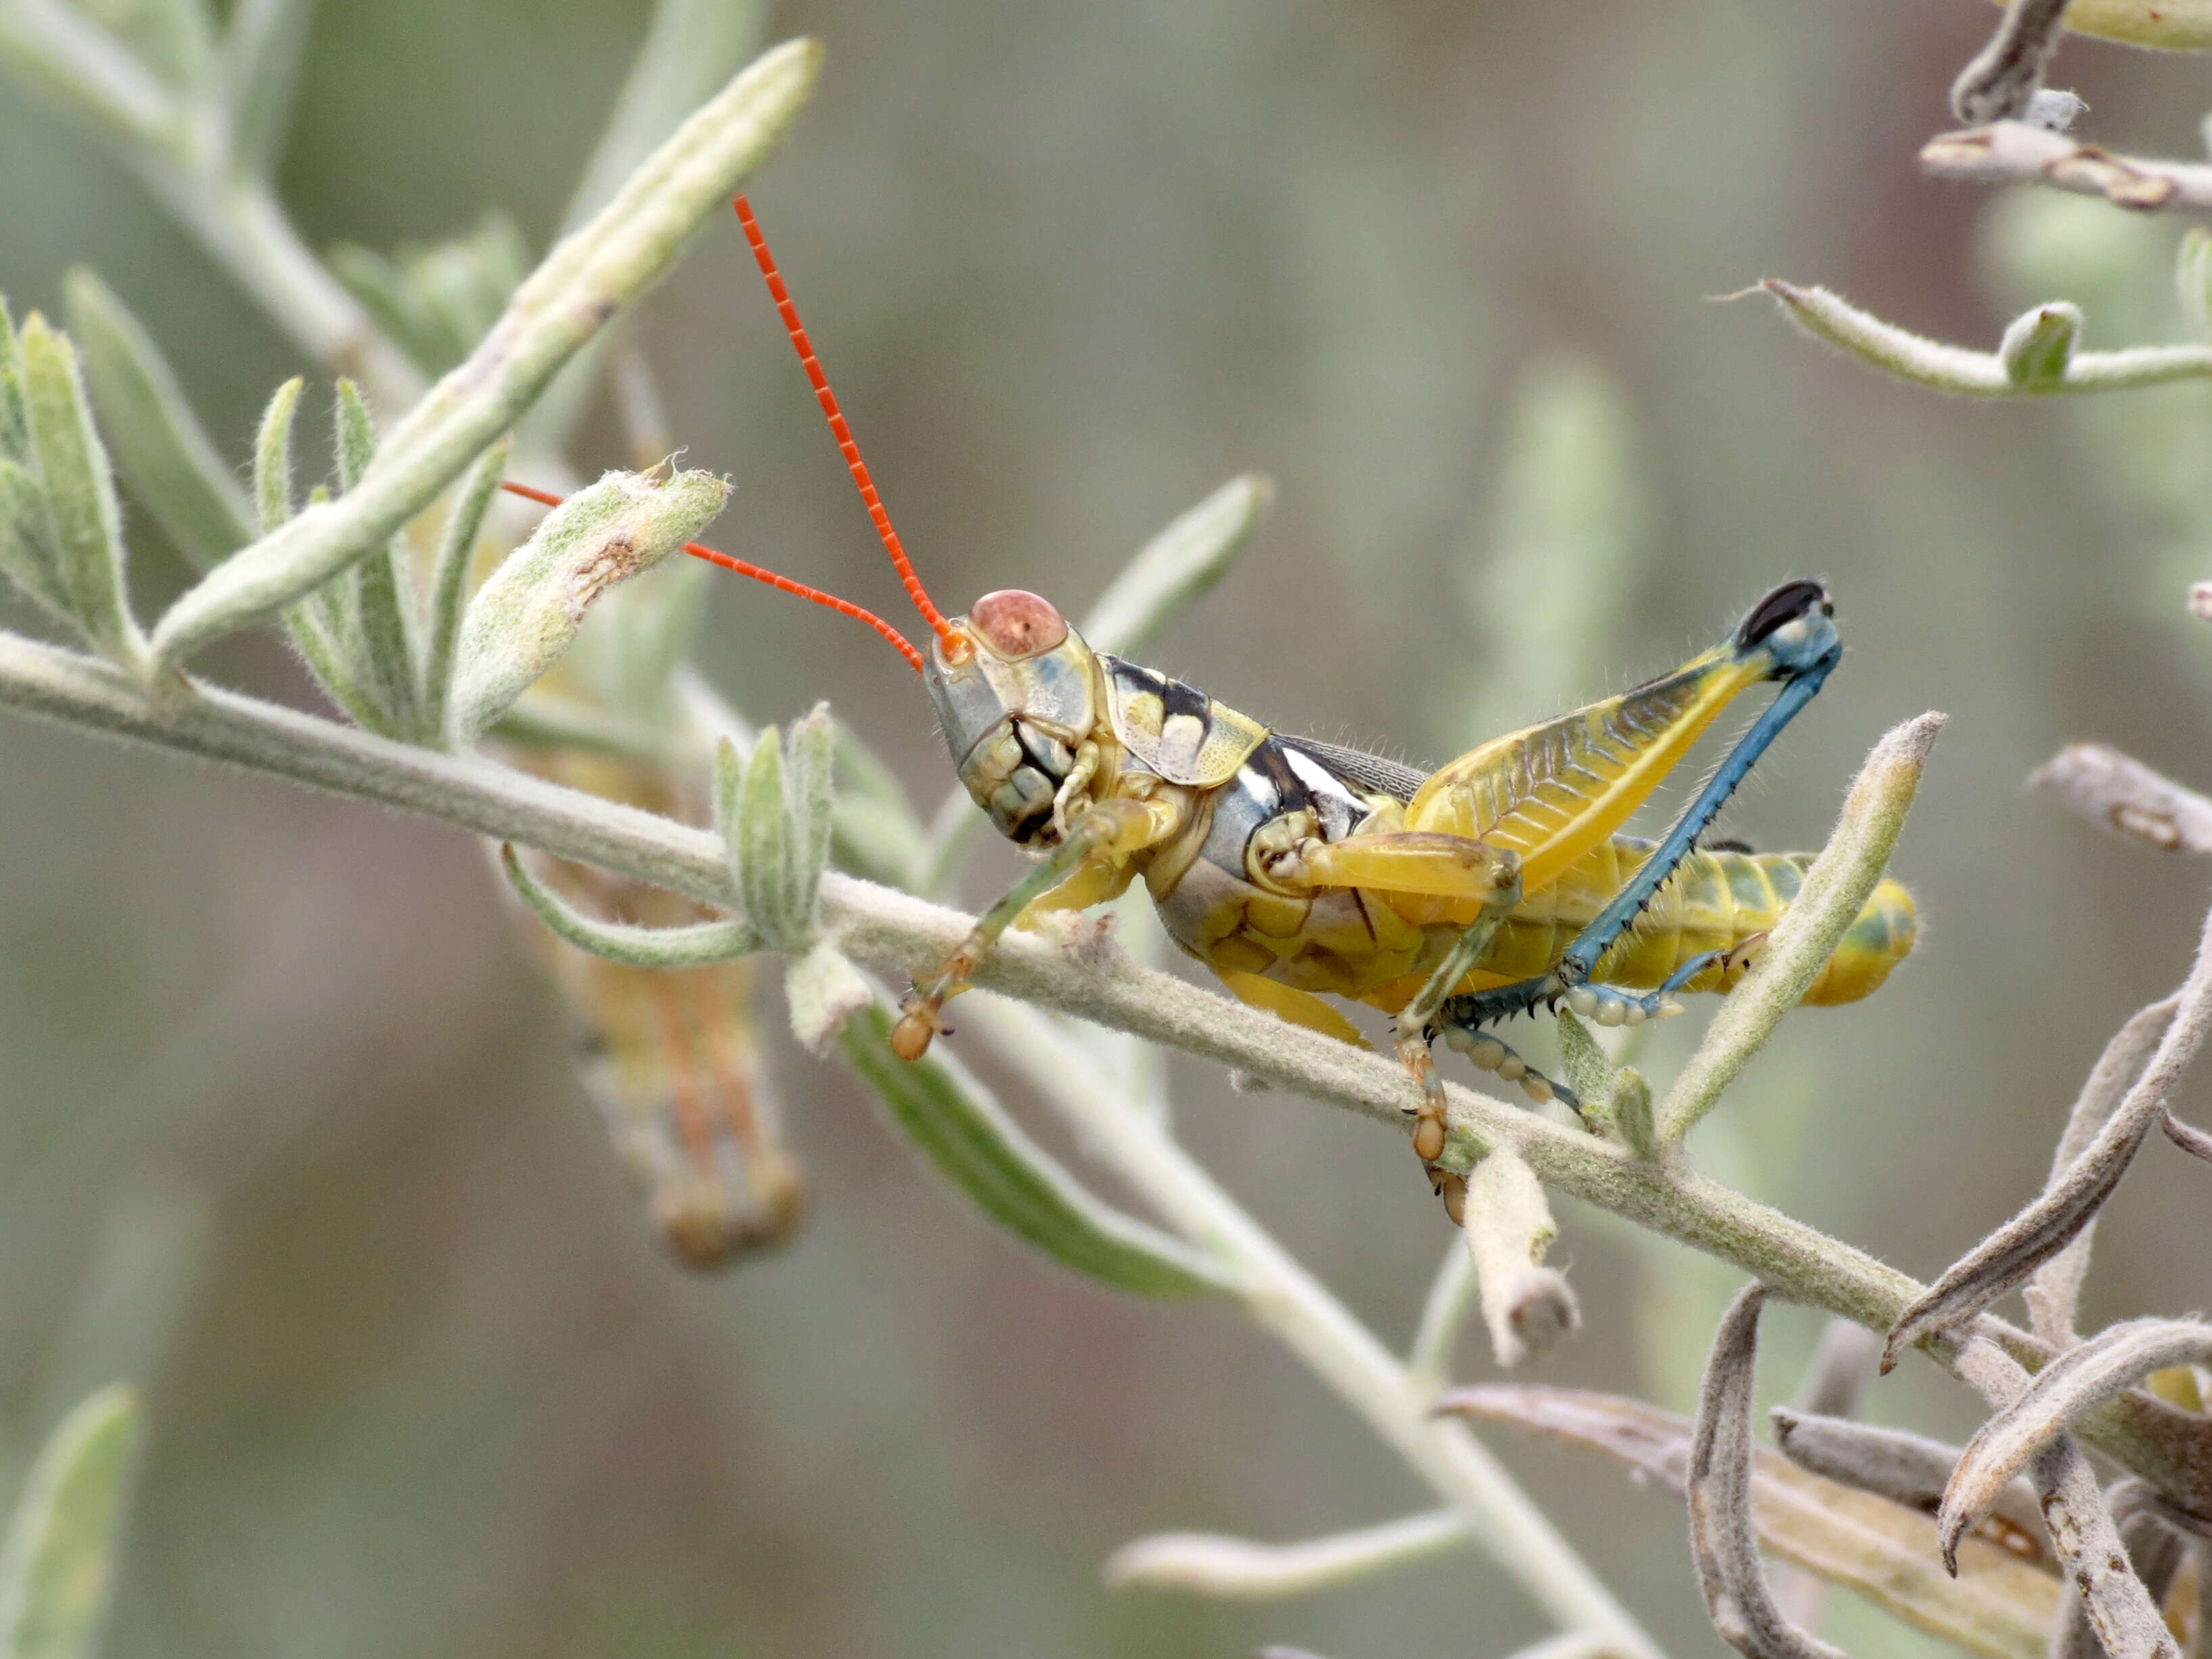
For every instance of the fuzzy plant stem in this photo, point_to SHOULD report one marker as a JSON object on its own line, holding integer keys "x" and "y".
{"x": 1297, "y": 1308}
{"x": 1091, "y": 980}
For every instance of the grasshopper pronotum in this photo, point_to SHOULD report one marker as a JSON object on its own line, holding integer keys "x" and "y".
{"x": 1450, "y": 899}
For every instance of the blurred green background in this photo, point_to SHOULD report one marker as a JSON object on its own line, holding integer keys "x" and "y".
{"x": 286, "y": 1128}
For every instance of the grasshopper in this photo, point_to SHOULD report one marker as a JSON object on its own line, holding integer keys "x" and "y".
{"x": 1295, "y": 869}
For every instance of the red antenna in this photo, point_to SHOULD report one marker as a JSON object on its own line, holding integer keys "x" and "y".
{"x": 760, "y": 574}
{"x": 954, "y": 647}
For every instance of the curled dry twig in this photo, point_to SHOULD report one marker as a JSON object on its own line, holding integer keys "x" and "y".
{"x": 2076, "y": 1382}
{"x": 1998, "y": 83}
{"x": 1723, "y": 1540}
{"x": 2120, "y": 1610}
{"x": 2041, "y": 1231}
{"x": 2120, "y": 791}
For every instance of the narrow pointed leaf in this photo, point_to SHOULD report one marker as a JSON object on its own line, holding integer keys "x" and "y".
{"x": 73, "y": 468}
{"x": 449, "y": 581}
{"x": 385, "y": 632}
{"x": 15, "y": 419}
{"x": 1999, "y": 1606}
{"x": 2069, "y": 1202}
{"x": 57, "y": 1567}
{"x": 1718, "y": 1480}
{"x": 272, "y": 457}
{"x": 807, "y": 845}
{"x": 763, "y": 865}
{"x": 2077, "y": 1381}
{"x": 696, "y": 946}
{"x": 583, "y": 284}
{"x": 160, "y": 448}
{"x": 956, "y": 1123}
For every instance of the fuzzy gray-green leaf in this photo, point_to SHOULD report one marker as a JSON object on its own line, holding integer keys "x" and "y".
{"x": 809, "y": 800}
{"x": 583, "y": 284}
{"x": 58, "y": 1564}
{"x": 272, "y": 457}
{"x": 28, "y": 557}
{"x": 449, "y": 580}
{"x": 80, "y": 490}
{"x": 159, "y": 446}
{"x": 386, "y": 645}
{"x": 952, "y": 1119}
{"x": 761, "y": 838}
{"x": 526, "y": 614}
{"x": 699, "y": 945}
{"x": 14, "y": 420}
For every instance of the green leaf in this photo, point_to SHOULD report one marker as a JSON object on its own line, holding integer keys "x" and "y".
{"x": 1178, "y": 566}
{"x": 762, "y": 863}
{"x": 272, "y": 457}
{"x": 696, "y": 946}
{"x": 15, "y": 419}
{"x": 160, "y": 446}
{"x": 526, "y": 614}
{"x": 58, "y": 1562}
{"x": 385, "y": 643}
{"x": 449, "y": 580}
{"x": 955, "y": 1122}
{"x": 583, "y": 284}
{"x": 28, "y": 555}
{"x": 1589, "y": 1073}
{"x": 79, "y": 491}
{"x": 807, "y": 844}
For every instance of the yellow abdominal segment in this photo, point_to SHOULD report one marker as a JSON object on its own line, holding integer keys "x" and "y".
{"x": 1379, "y": 947}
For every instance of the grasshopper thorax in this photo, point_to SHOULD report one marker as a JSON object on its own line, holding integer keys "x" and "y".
{"x": 1016, "y": 696}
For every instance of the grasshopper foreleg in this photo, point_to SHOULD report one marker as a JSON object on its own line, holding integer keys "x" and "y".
{"x": 1104, "y": 833}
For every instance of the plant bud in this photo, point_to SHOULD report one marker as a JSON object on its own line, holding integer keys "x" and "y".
{"x": 2039, "y": 343}
{"x": 524, "y": 616}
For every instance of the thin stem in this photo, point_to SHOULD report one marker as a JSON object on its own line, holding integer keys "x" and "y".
{"x": 1282, "y": 1296}
{"x": 897, "y": 932}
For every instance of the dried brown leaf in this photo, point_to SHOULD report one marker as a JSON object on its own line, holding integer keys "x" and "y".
{"x": 2041, "y": 1231}
{"x": 1998, "y": 1606}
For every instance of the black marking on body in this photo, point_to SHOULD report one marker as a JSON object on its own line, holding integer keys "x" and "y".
{"x": 1360, "y": 769}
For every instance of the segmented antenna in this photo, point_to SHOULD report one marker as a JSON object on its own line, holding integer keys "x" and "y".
{"x": 841, "y": 431}
{"x": 762, "y": 573}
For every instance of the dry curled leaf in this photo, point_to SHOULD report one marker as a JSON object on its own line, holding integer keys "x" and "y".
{"x": 1998, "y": 1606}
{"x": 2069, "y": 1202}
{"x": 2078, "y": 1381}
{"x": 2121, "y": 1613}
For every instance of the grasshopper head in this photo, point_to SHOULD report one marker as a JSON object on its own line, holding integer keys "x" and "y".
{"x": 1015, "y": 691}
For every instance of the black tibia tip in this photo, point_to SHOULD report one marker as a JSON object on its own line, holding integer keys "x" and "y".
{"x": 1785, "y": 604}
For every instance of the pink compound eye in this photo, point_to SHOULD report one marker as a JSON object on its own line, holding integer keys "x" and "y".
{"x": 1016, "y": 625}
